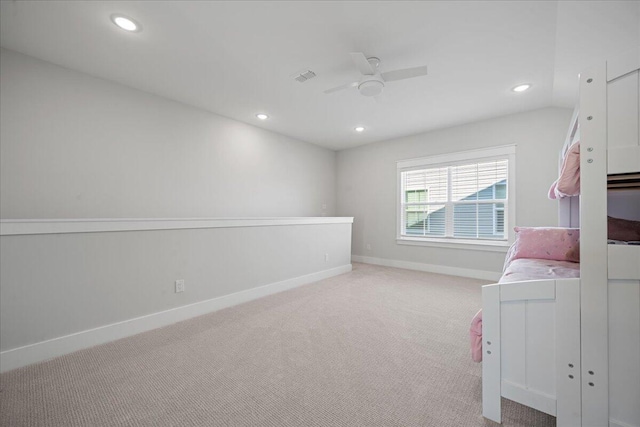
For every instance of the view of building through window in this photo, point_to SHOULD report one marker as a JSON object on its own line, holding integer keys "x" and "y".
{"x": 461, "y": 201}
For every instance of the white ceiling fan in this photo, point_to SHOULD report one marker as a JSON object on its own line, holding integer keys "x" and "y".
{"x": 372, "y": 81}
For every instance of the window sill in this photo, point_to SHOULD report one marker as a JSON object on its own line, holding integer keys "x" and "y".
{"x": 485, "y": 245}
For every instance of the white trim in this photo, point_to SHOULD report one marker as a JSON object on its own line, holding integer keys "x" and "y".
{"x": 529, "y": 397}
{"x": 475, "y": 245}
{"x": 444, "y": 159}
{"x": 431, "y": 268}
{"x": 12, "y": 227}
{"x": 616, "y": 423}
{"x": 38, "y": 352}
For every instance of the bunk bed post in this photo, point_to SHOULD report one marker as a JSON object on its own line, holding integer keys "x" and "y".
{"x": 491, "y": 378}
{"x": 568, "y": 380}
{"x": 593, "y": 247}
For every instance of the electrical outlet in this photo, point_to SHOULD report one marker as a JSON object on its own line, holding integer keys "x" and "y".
{"x": 179, "y": 285}
{"x": 326, "y": 257}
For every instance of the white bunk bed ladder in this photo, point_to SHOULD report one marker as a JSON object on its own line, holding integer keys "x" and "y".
{"x": 520, "y": 362}
{"x": 593, "y": 247}
{"x": 610, "y": 306}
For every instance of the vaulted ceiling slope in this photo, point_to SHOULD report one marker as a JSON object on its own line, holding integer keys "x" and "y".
{"x": 237, "y": 58}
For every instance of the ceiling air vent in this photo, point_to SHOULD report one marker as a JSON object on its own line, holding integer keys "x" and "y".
{"x": 304, "y": 76}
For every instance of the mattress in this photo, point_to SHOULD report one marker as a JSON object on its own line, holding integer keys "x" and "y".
{"x": 535, "y": 269}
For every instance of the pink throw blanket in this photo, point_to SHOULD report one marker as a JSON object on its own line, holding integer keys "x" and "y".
{"x": 475, "y": 335}
{"x": 568, "y": 184}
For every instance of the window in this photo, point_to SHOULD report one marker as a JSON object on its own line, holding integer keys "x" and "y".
{"x": 499, "y": 192}
{"x": 458, "y": 198}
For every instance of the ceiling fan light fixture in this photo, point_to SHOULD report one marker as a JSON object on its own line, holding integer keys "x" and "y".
{"x": 126, "y": 23}
{"x": 372, "y": 81}
{"x": 371, "y": 87}
{"x": 521, "y": 88}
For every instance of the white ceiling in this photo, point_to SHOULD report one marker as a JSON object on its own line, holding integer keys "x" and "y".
{"x": 236, "y": 58}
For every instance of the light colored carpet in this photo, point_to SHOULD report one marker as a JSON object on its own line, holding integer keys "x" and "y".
{"x": 375, "y": 347}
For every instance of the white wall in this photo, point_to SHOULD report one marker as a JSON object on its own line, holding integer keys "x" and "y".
{"x": 588, "y": 33}
{"x": 55, "y": 289}
{"x": 366, "y": 186}
{"x": 75, "y": 146}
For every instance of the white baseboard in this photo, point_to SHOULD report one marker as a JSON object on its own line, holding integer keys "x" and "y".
{"x": 431, "y": 268}
{"x": 616, "y": 423}
{"x": 38, "y": 352}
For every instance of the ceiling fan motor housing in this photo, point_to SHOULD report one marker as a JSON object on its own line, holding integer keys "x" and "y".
{"x": 371, "y": 87}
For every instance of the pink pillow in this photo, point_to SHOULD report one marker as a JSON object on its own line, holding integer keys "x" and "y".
{"x": 561, "y": 244}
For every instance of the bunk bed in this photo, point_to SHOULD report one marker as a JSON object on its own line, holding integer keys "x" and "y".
{"x": 570, "y": 346}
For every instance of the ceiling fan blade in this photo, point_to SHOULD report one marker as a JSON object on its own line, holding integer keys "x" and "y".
{"x": 336, "y": 89}
{"x": 362, "y": 63}
{"x": 405, "y": 73}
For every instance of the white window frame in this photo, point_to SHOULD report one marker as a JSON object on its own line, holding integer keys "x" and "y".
{"x": 495, "y": 214}
{"x": 462, "y": 157}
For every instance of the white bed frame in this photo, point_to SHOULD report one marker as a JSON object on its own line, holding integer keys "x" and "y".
{"x": 571, "y": 347}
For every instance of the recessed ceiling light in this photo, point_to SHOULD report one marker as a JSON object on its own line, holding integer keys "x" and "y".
{"x": 126, "y": 23}
{"x": 359, "y": 129}
{"x": 521, "y": 88}
{"x": 262, "y": 116}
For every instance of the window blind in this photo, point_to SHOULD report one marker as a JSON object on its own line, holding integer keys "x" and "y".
{"x": 465, "y": 201}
